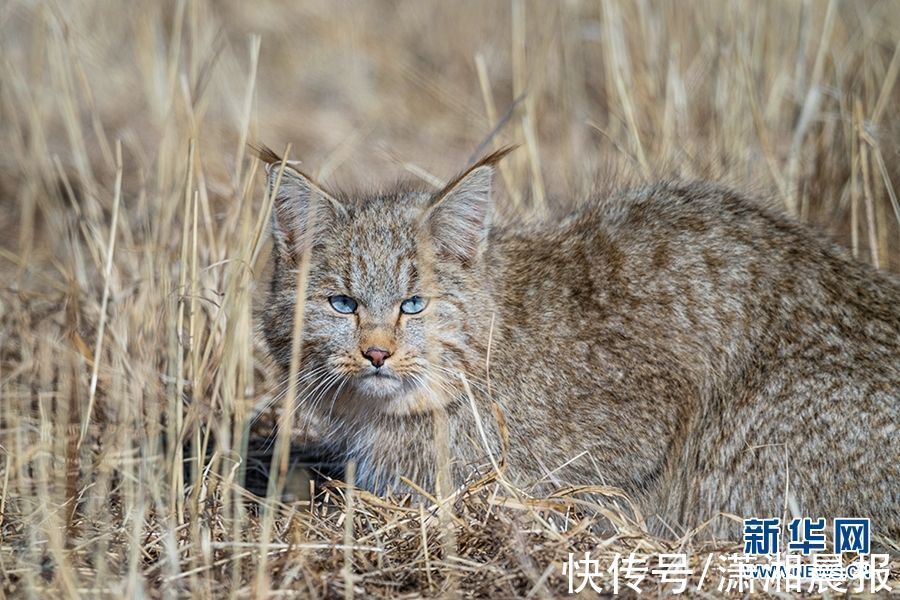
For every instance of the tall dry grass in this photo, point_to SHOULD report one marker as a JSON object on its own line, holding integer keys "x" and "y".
{"x": 133, "y": 240}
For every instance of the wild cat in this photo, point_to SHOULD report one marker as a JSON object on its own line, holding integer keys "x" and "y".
{"x": 678, "y": 341}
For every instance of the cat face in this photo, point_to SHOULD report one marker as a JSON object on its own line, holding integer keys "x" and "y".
{"x": 393, "y": 292}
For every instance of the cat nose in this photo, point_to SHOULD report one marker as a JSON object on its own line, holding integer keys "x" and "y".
{"x": 376, "y": 356}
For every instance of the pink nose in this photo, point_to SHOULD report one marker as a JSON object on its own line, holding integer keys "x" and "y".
{"x": 376, "y": 356}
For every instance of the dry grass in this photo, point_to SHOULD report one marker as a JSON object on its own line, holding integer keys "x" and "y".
{"x": 132, "y": 242}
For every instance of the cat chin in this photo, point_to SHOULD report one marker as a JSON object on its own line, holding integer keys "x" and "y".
{"x": 392, "y": 396}
{"x": 380, "y": 387}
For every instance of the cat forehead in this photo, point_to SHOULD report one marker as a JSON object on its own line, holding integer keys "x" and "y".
{"x": 396, "y": 204}
{"x": 375, "y": 247}
{"x": 386, "y": 218}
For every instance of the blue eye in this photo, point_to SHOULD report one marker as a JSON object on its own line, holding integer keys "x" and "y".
{"x": 413, "y": 305}
{"x": 343, "y": 304}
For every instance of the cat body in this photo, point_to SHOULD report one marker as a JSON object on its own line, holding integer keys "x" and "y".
{"x": 677, "y": 341}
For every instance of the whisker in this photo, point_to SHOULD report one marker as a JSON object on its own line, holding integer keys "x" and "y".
{"x": 282, "y": 389}
{"x": 303, "y": 396}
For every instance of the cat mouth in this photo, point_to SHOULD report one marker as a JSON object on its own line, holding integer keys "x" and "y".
{"x": 379, "y": 375}
{"x": 385, "y": 390}
{"x": 380, "y": 383}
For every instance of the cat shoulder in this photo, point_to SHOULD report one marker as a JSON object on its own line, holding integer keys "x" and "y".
{"x": 676, "y": 203}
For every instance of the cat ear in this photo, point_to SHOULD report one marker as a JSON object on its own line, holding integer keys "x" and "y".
{"x": 459, "y": 217}
{"x": 297, "y": 203}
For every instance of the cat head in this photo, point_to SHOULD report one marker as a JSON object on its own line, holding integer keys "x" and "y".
{"x": 393, "y": 287}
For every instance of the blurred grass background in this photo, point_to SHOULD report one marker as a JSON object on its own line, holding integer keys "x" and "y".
{"x": 132, "y": 244}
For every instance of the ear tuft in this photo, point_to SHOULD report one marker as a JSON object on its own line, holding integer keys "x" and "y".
{"x": 496, "y": 156}
{"x": 266, "y": 155}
